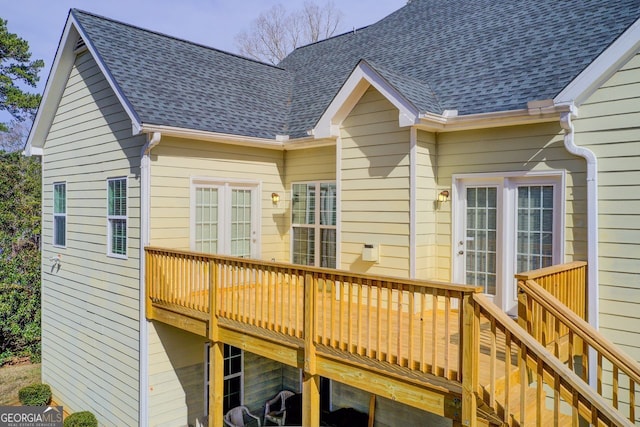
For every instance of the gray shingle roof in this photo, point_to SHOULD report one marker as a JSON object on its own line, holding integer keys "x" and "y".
{"x": 177, "y": 83}
{"x": 471, "y": 55}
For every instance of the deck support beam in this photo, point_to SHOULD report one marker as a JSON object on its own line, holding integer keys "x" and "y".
{"x": 216, "y": 383}
{"x": 311, "y": 379}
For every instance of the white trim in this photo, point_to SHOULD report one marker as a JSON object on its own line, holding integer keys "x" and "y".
{"x": 225, "y": 187}
{"x": 350, "y": 93}
{"x": 413, "y": 194}
{"x": 602, "y": 68}
{"x": 125, "y": 217}
{"x": 128, "y": 108}
{"x": 338, "y": 202}
{"x": 53, "y": 243}
{"x": 56, "y": 83}
{"x": 145, "y": 233}
{"x": 280, "y": 142}
{"x": 62, "y": 64}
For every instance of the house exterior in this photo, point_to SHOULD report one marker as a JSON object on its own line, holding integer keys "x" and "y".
{"x": 454, "y": 141}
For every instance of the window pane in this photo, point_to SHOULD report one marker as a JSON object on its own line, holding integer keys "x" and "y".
{"x": 206, "y": 220}
{"x": 241, "y": 223}
{"x": 303, "y": 209}
{"x": 60, "y": 198}
{"x": 328, "y": 204}
{"x": 481, "y": 245}
{"x": 535, "y": 227}
{"x": 118, "y": 197}
{"x": 59, "y": 230}
{"x": 118, "y": 236}
{"x": 328, "y": 248}
{"x": 303, "y": 246}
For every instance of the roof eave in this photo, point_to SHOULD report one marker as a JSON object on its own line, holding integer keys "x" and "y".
{"x": 56, "y": 83}
{"x": 362, "y": 76}
{"x": 537, "y": 112}
{"x": 602, "y": 68}
{"x": 280, "y": 142}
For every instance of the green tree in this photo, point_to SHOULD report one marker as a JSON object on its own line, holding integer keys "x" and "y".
{"x": 16, "y": 67}
{"x": 19, "y": 256}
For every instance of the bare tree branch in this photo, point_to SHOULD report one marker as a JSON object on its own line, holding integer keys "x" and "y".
{"x": 275, "y": 33}
{"x": 15, "y": 136}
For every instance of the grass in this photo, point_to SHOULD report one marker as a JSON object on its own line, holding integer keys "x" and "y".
{"x": 13, "y": 378}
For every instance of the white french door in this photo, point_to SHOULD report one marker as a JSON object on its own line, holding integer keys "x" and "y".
{"x": 505, "y": 225}
{"x": 225, "y": 218}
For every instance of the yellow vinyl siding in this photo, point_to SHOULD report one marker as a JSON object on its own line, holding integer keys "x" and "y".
{"x": 609, "y": 125}
{"x": 176, "y": 376}
{"x": 513, "y": 149}
{"x": 375, "y": 195}
{"x": 90, "y": 306}
{"x": 175, "y": 161}
{"x": 426, "y": 208}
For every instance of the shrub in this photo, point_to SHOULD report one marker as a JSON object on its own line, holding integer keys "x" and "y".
{"x": 35, "y": 395}
{"x": 81, "y": 419}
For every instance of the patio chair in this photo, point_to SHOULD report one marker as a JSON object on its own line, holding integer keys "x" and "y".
{"x": 274, "y": 414}
{"x": 236, "y": 417}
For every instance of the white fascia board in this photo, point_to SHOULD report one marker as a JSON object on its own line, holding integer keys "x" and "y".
{"x": 278, "y": 143}
{"x": 53, "y": 89}
{"x": 438, "y": 123}
{"x": 56, "y": 83}
{"x": 225, "y": 138}
{"x": 602, "y": 68}
{"x": 350, "y": 93}
{"x": 128, "y": 108}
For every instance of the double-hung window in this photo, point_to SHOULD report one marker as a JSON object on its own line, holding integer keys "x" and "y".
{"x": 117, "y": 216}
{"x": 60, "y": 214}
{"x": 314, "y": 224}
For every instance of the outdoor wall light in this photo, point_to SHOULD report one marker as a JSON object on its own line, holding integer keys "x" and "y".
{"x": 275, "y": 197}
{"x": 443, "y": 196}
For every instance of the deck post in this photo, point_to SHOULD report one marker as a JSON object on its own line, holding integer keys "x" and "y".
{"x": 216, "y": 383}
{"x": 470, "y": 365}
{"x": 216, "y": 356}
{"x": 311, "y": 379}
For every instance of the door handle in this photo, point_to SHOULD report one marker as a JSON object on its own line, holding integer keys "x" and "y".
{"x": 460, "y": 252}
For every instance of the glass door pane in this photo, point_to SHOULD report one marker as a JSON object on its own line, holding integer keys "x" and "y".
{"x": 534, "y": 244}
{"x": 241, "y": 223}
{"x": 206, "y": 220}
{"x": 481, "y": 237}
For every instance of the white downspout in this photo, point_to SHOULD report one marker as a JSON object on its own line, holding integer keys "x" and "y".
{"x": 592, "y": 227}
{"x": 145, "y": 190}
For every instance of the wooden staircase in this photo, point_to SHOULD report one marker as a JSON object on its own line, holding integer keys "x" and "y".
{"x": 543, "y": 363}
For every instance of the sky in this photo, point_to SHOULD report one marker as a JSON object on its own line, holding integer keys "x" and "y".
{"x": 213, "y": 23}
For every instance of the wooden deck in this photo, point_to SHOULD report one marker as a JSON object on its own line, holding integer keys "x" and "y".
{"x": 439, "y": 347}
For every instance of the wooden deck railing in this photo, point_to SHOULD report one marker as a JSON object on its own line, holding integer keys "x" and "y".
{"x": 618, "y": 375}
{"x": 536, "y": 387}
{"x": 408, "y": 323}
{"x": 442, "y": 329}
{"x": 567, "y": 284}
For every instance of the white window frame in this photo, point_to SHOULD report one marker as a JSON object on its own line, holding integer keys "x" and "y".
{"x": 124, "y": 217}
{"x": 59, "y": 215}
{"x": 507, "y": 183}
{"x": 316, "y": 226}
{"x": 225, "y": 188}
